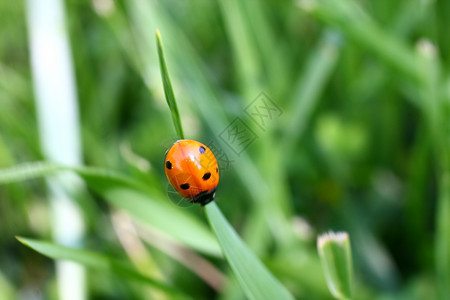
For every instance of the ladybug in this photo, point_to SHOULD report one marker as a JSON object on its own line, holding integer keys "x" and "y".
{"x": 192, "y": 170}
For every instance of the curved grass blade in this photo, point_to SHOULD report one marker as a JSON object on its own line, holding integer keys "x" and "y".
{"x": 28, "y": 171}
{"x": 310, "y": 86}
{"x": 150, "y": 207}
{"x": 165, "y": 217}
{"x": 97, "y": 261}
{"x": 168, "y": 91}
{"x": 355, "y": 24}
{"x": 143, "y": 202}
{"x": 256, "y": 281}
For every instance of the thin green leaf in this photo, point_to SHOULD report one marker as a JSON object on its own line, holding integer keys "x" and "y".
{"x": 442, "y": 242}
{"x": 272, "y": 49}
{"x": 255, "y": 47}
{"x": 335, "y": 255}
{"x": 168, "y": 91}
{"x": 248, "y": 66}
{"x": 152, "y": 208}
{"x": 256, "y": 281}
{"x": 28, "y": 171}
{"x": 310, "y": 86}
{"x": 351, "y": 20}
{"x": 7, "y": 288}
{"x": 143, "y": 202}
{"x": 96, "y": 261}
{"x": 166, "y": 218}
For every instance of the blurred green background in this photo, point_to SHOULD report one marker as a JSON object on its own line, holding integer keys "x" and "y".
{"x": 361, "y": 145}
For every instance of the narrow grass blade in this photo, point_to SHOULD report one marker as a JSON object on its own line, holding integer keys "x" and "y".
{"x": 96, "y": 261}
{"x": 255, "y": 47}
{"x": 168, "y": 91}
{"x": 248, "y": 64}
{"x": 271, "y": 47}
{"x": 435, "y": 104}
{"x": 8, "y": 289}
{"x": 58, "y": 121}
{"x": 442, "y": 243}
{"x": 256, "y": 281}
{"x": 350, "y": 19}
{"x": 310, "y": 85}
{"x": 28, "y": 171}
{"x": 151, "y": 208}
{"x": 165, "y": 217}
{"x": 335, "y": 255}
{"x": 143, "y": 202}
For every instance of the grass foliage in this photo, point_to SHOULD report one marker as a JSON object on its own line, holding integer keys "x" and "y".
{"x": 360, "y": 143}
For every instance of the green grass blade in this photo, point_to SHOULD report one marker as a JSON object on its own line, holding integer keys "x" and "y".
{"x": 435, "y": 104}
{"x": 96, "y": 261}
{"x": 7, "y": 288}
{"x": 310, "y": 85}
{"x": 255, "y": 46}
{"x": 99, "y": 178}
{"x": 165, "y": 217}
{"x": 271, "y": 47}
{"x": 143, "y": 202}
{"x": 152, "y": 208}
{"x": 28, "y": 171}
{"x": 335, "y": 255}
{"x": 256, "y": 281}
{"x": 248, "y": 64}
{"x": 168, "y": 91}
{"x": 442, "y": 243}
{"x": 350, "y": 19}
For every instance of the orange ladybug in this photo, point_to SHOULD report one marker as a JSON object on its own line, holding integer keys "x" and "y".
{"x": 192, "y": 170}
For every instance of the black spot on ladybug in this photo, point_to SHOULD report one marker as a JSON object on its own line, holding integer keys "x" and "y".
{"x": 202, "y": 149}
{"x": 184, "y": 186}
{"x": 217, "y": 170}
{"x": 206, "y": 176}
{"x": 168, "y": 165}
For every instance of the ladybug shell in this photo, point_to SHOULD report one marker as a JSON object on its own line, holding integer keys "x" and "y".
{"x": 192, "y": 170}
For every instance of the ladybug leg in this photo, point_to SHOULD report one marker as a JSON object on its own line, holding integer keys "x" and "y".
{"x": 207, "y": 201}
{"x": 205, "y": 197}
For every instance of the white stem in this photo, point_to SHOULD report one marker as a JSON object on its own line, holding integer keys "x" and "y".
{"x": 56, "y": 102}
